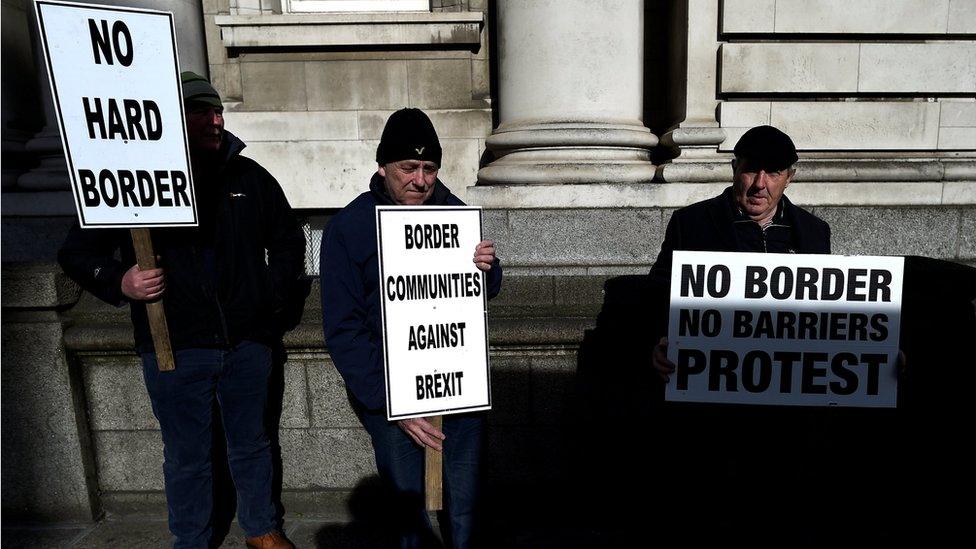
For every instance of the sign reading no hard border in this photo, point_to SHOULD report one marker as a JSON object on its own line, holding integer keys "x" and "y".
{"x": 791, "y": 329}
{"x": 435, "y": 311}
{"x": 116, "y": 83}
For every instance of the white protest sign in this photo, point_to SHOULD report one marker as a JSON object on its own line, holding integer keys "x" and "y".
{"x": 116, "y": 82}
{"x": 435, "y": 311}
{"x": 788, "y": 329}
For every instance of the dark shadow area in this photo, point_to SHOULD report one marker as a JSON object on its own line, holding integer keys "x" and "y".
{"x": 665, "y": 57}
{"x": 285, "y": 321}
{"x": 491, "y": 17}
{"x": 371, "y": 509}
{"x": 685, "y": 474}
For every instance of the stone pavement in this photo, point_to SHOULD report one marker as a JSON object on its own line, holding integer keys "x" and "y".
{"x": 143, "y": 533}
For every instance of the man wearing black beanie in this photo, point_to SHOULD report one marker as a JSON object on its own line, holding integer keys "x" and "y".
{"x": 408, "y": 159}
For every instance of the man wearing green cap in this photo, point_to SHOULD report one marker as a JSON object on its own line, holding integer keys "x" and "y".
{"x": 408, "y": 159}
{"x": 226, "y": 285}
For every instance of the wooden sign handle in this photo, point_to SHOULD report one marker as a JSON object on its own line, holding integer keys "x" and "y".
{"x": 146, "y": 258}
{"x": 434, "y": 471}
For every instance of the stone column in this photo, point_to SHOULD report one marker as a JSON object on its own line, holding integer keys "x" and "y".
{"x": 19, "y": 107}
{"x": 697, "y": 137}
{"x": 52, "y": 172}
{"x": 570, "y": 91}
{"x": 48, "y": 465}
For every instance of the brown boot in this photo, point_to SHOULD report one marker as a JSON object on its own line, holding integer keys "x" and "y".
{"x": 271, "y": 540}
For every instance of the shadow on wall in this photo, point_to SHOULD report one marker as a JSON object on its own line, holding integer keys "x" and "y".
{"x": 603, "y": 461}
{"x": 689, "y": 475}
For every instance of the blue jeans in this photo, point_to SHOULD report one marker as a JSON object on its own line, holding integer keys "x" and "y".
{"x": 400, "y": 463}
{"x": 182, "y": 401}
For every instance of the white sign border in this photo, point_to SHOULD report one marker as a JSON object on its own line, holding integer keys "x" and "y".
{"x": 484, "y": 301}
{"x": 57, "y": 107}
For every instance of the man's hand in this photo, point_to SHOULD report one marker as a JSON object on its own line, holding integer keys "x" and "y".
{"x": 659, "y": 359}
{"x": 422, "y": 432}
{"x": 484, "y": 255}
{"x": 143, "y": 285}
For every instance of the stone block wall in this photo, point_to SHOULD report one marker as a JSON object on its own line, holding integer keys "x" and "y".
{"x": 48, "y": 473}
{"x": 867, "y": 76}
{"x": 540, "y": 322}
{"x": 314, "y": 89}
{"x": 101, "y": 445}
{"x": 592, "y": 241}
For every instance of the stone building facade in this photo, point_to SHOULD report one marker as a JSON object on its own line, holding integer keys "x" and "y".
{"x": 579, "y": 126}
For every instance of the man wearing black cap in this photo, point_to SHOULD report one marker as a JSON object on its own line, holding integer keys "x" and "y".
{"x": 751, "y": 454}
{"x": 223, "y": 303}
{"x": 408, "y": 158}
{"x": 752, "y": 215}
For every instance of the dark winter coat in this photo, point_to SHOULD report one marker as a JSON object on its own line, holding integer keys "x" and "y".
{"x": 708, "y": 226}
{"x": 350, "y": 291}
{"x": 227, "y": 280}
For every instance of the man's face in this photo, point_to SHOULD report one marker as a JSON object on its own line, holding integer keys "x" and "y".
{"x": 757, "y": 191}
{"x": 204, "y": 126}
{"x": 409, "y": 182}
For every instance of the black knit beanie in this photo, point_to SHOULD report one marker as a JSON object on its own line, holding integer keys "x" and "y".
{"x": 408, "y": 134}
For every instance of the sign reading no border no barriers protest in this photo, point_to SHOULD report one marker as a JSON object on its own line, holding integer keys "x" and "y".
{"x": 788, "y": 329}
{"x": 435, "y": 311}
{"x": 116, "y": 82}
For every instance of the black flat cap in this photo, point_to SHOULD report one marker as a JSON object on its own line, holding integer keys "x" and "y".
{"x": 408, "y": 135}
{"x": 766, "y": 148}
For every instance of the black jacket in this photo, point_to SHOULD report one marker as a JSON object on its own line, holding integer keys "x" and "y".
{"x": 706, "y": 226}
{"x": 351, "y": 317}
{"x": 219, "y": 289}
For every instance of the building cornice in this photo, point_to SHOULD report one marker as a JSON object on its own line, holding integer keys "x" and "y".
{"x": 452, "y": 29}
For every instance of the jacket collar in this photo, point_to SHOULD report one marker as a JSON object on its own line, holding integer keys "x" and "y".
{"x": 723, "y": 216}
{"x": 726, "y": 212}
{"x": 230, "y": 146}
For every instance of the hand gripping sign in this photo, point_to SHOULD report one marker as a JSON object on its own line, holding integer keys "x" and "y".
{"x": 435, "y": 318}
{"x": 115, "y": 80}
{"x": 788, "y": 329}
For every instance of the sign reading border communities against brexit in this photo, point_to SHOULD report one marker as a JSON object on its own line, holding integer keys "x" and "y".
{"x": 115, "y": 78}
{"x": 435, "y": 311}
{"x": 787, "y": 329}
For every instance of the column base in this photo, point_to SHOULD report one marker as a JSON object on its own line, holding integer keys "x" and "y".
{"x": 570, "y": 153}
{"x": 568, "y": 166}
{"x": 51, "y": 174}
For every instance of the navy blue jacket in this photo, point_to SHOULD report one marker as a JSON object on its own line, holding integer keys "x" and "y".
{"x": 350, "y": 291}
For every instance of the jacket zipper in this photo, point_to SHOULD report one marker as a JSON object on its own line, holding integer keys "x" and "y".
{"x": 212, "y": 292}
